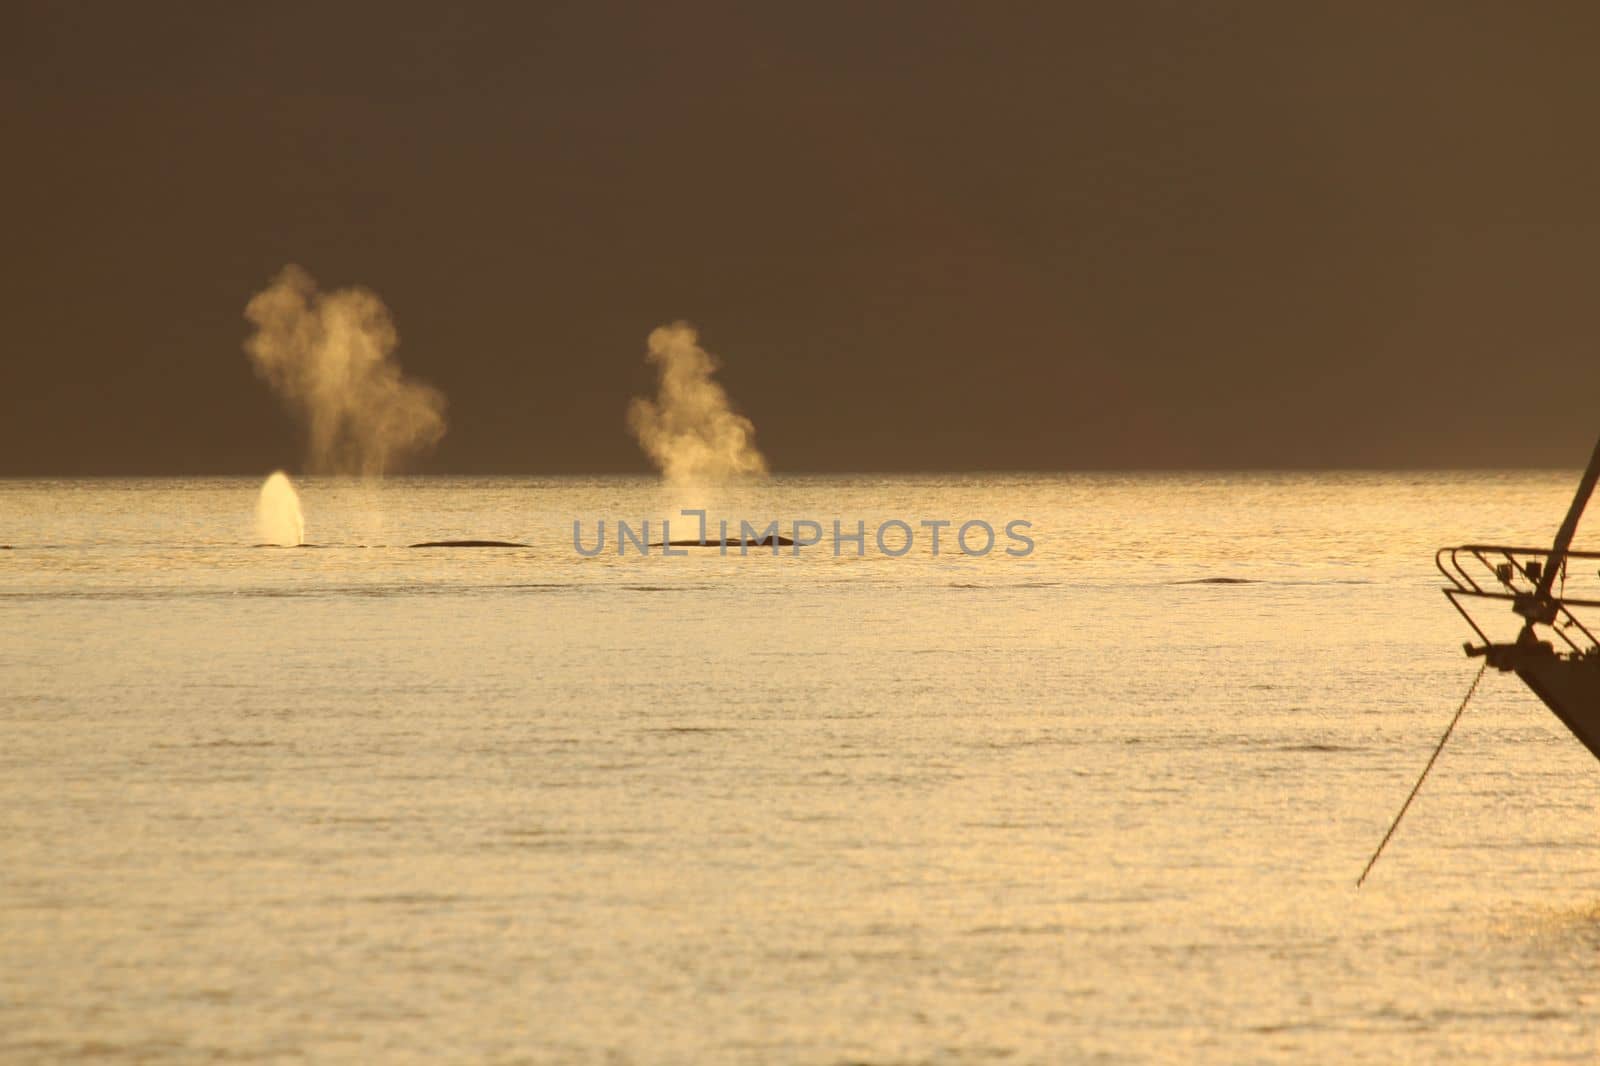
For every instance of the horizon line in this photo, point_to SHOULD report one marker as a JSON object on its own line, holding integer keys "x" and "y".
{"x": 777, "y": 475}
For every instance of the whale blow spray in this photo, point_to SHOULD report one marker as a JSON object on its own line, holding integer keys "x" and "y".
{"x": 330, "y": 358}
{"x": 278, "y": 517}
{"x": 690, "y": 430}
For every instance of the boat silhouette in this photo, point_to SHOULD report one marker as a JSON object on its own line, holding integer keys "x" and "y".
{"x": 1554, "y": 652}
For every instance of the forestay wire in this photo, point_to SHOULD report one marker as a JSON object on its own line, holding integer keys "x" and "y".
{"x": 1431, "y": 760}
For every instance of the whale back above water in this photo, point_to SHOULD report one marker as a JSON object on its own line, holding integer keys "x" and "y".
{"x": 731, "y": 542}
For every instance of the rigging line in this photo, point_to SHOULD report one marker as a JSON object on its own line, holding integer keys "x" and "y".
{"x": 1431, "y": 759}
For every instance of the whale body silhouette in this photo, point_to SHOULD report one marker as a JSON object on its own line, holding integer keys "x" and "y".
{"x": 731, "y": 542}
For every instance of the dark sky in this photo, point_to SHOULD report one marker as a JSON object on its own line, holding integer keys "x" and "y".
{"x": 920, "y": 236}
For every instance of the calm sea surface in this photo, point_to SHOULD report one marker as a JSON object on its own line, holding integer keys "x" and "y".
{"x": 371, "y": 803}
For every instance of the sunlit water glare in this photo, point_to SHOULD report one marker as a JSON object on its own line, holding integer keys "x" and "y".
{"x": 370, "y": 803}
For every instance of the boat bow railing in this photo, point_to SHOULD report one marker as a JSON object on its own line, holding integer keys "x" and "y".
{"x": 1521, "y": 577}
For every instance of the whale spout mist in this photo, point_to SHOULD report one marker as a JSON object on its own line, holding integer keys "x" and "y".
{"x": 278, "y": 517}
{"x": 690, "y": 430}
{"x": 330, "y": 358}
